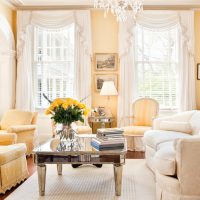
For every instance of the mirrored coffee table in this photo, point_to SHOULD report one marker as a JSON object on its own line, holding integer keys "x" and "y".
{"x": 54, "y": 152}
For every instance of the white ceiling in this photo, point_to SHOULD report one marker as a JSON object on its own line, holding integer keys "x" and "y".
{"x": 37, "y": 3}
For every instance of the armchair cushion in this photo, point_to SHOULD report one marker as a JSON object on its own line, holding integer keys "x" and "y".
{"x": 84, "y": 130}
{"x": 21, "y": 128}
{"x": 11, "y": 152}
{"x": 7, "y": 138}
{"x": 183, "y": 127}
{"x": 135, "y": 130}
{"x": 16, "y": 117}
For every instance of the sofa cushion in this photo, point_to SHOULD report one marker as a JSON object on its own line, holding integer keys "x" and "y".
{"x": 135, "y": 130}
{"x": 165, "y": 161}
{"x": 154, "y": 138}
{"x": 16, "y": 117}
{"x": 194, "y": 121}
{"x": 183, "y": 127}
{"x": 11, "y": 152}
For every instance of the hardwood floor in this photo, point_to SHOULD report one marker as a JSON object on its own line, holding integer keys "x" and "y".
{"x": 32, "y": 168}
{"x": 135, "y": 155}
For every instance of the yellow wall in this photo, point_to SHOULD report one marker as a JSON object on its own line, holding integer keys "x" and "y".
{"x": 105, "y": 40}
{"x": 10, "y": 15}
{"x": 197, "y": 53}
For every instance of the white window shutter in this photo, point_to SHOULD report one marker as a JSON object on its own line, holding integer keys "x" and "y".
{"x": 54, "y": 70}
{"x": 156, "y": 56}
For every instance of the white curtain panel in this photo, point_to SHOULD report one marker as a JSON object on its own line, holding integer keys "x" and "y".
{"x": 26, "y": 20}
{"x": 127, "y": 73}
{"x": 157, "y": 20}
{"x": 83, "y": 53}
{"x": 24, "y": 86}
{"x": 7, "y": 66}
{"x": 187, "y": 96}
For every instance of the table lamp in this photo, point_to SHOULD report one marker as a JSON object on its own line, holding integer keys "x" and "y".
{"x": 108, "y": 89}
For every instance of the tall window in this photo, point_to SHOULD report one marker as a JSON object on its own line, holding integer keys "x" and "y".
{"x": 54, "y": 69}
{"x": 156, "y": 57}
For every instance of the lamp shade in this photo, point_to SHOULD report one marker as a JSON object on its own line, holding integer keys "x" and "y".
{"x": 108, "y": 89}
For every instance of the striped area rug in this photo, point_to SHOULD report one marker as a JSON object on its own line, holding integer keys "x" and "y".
{"x": 90, "y": 183}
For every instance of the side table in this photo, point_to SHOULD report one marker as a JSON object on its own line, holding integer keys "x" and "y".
{"x": 103, "y": 120}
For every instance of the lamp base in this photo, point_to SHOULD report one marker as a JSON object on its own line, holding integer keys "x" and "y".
{"x": 108, "y": 109}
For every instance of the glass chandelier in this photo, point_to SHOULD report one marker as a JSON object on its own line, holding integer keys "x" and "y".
{"x": 120, "y": 8}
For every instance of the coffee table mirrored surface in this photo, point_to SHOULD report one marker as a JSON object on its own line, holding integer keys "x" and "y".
{"x": 55, "y": 152}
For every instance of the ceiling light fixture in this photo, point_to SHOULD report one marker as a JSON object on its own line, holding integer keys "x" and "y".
{"x": 119, "y": 8}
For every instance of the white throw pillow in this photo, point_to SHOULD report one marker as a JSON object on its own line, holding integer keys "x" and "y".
{"x": 183, "y": 127}
{"x": 194, "y": 121}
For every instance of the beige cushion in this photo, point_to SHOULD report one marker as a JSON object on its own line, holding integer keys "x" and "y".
{"x": 11, "y": 152}
{"x": 164, "y": 161}
{"x": 135, "y": 130}
{"x": 84, "y": 129}
{"x": 7, "y": 138}
{"x": 16, "y": 117}
{"x": 154, "y": 138}
{"x": 183, "y": 127}
{"x": 21, "y": 128}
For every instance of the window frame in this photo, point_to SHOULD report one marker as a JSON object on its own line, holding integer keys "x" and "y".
{"x": 44, "y": 63}
{"x": 163, "y": 110}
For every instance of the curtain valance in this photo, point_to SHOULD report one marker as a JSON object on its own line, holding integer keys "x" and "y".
{"x": 158, "y": 20}
{"x": 26, "y": 21}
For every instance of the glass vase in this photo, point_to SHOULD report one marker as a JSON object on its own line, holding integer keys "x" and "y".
{"x": 67, "y": 134}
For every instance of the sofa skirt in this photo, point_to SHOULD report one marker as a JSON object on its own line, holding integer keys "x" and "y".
{"x": 13, "y": 173}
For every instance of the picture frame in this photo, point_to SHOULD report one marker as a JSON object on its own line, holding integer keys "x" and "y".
{"x": 100, "y": 78}
{"x": 106, "y": 62}
{"x": 198, "y": 71}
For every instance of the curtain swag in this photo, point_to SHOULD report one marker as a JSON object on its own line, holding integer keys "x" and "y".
{"x": 157, "y": 20}
{"x": 26, "y": 21}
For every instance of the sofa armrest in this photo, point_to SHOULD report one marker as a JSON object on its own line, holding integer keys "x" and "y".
{"x": 21, "y": 128}
{"x": 188, "y": 164}
{"x": 8, "y": 138}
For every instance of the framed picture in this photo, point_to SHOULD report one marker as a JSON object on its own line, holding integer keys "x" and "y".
{"x": 100, "y": 78}
{"x": 105, "y": 61}
{"x": 198, "y": 71}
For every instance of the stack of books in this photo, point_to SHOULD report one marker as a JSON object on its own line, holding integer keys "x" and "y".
{"x": 108, "y": 139}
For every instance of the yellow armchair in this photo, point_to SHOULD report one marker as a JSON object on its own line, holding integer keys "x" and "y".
{"x": 144, "y": 111}
{"x": 13, "y": 165}
{"x": 7, "y": 139}
{"x": 23, "y": 124}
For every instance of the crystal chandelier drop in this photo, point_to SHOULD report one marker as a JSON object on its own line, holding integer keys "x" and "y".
{"x": 120, "y": 8}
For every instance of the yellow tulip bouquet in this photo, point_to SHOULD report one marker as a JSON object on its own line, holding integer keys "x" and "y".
{"x": 66, "y": 111}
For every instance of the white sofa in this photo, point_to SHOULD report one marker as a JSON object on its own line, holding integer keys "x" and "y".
{"x": 173, "y": 153}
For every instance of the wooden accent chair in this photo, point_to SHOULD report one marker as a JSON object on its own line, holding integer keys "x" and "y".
{"x": 13, "y": 165}
{"x": 144, "y": 111}
{"x": 23, "y": 123}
